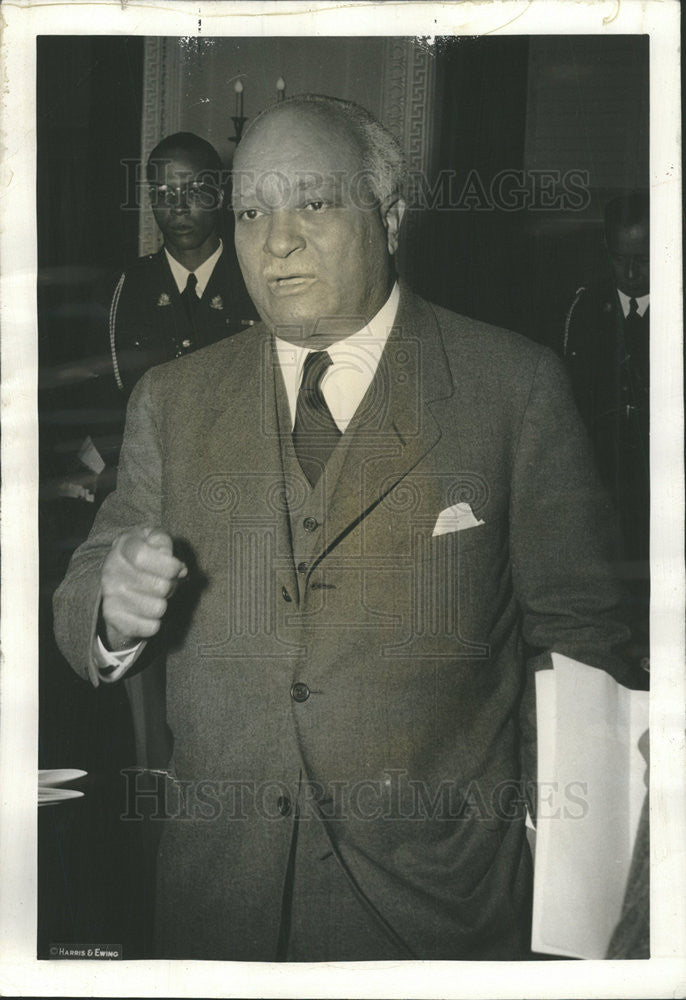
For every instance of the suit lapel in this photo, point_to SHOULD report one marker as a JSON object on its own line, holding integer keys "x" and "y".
{"x": 244, "y": 432}
{"x": 242, "y": 442}
{"x": 394, "y": 427}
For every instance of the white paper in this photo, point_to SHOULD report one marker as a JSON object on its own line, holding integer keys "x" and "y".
{"x": 91, "y": 457}
{"x": 591, "y": 783}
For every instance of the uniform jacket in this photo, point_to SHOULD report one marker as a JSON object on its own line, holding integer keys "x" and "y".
{"x": 146, "y": 321}
{"x": 380, "y": 683}
{"x": 608, "y": 362}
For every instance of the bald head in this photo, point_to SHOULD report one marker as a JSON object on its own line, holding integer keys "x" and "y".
{"x": 317, "y": 211}
{"x": 380, "y": 160}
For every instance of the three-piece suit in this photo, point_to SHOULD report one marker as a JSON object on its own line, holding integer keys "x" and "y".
{"x": 347, "y": 692}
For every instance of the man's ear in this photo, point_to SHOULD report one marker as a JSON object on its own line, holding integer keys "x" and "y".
{"x": 392, "y": 212}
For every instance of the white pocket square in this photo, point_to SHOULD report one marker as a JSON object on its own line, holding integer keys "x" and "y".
{"x": 455, "y": 518}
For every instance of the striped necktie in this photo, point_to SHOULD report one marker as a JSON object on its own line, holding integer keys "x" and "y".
{"x": 315, "y": 432}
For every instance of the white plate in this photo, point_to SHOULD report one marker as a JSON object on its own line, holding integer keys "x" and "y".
{"x": 51, "y": 796}
{"x": 46, "y": 779}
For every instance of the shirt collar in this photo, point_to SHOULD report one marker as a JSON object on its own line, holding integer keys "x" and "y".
{"x": 354, "y": 363}
{"x": 202, "y": 273}
{"x": 642, "y": 302}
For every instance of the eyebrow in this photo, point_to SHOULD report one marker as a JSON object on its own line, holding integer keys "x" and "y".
{"x": 326, "y": 186}
{"x": 188, "y": 183}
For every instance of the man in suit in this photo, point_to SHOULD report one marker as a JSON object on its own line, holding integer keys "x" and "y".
{"x": 356, "y": 531}
{"x": 607, "y": 351}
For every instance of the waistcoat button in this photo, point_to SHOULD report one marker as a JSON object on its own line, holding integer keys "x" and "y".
{"x": 302, "y": 567}
{"x": 283, "y": 804}
{"x": 310, "y": 524}
{"x": 286, "y": 596}
{"x": 300, "y": 692}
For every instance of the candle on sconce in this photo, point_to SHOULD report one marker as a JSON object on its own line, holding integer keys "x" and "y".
{"x": 238, "y": 87}
{"x": 280, "y": 89}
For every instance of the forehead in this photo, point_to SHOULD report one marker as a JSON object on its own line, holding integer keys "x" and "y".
{"x": 305, "y": 147}
{"x": 178, "y": 167}
{"x": 630, "y": 239}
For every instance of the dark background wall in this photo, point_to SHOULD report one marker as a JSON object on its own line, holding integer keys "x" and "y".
{"x": 466, "y": 240}
{"x": 569, "y": 115}
{"x": 89, "y": 115}
{"x": 89, "y": 93}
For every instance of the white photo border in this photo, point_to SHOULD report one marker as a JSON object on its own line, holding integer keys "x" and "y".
{"x": 21, "y": 974}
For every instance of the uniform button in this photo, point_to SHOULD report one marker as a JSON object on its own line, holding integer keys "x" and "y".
{"x": 286, "y": 596}
{"x": 283, "y": 805}
{"x": 310, "y": 524}
{"x": 300, "y": 692}
{"x": 302, "y": 567}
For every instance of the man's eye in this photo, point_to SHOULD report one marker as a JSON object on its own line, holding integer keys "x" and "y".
{"x": 249, "y": 214}
{"x": 315, "y": 206}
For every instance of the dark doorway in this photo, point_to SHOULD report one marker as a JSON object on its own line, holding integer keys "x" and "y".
{"x": 89, "y": 93}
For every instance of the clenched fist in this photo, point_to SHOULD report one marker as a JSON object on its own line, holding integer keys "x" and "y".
{"x": 138, "y": 578}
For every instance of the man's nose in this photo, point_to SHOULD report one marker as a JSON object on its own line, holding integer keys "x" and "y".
{"x": 180, "y": 206}
{"x": 284, "y": 234}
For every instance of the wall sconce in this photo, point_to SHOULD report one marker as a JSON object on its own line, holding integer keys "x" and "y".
{"x": 238, "y": 119}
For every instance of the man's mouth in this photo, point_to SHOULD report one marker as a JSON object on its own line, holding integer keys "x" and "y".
{"x": 289, "y": 283}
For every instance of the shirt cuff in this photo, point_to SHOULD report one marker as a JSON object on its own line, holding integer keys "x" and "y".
{"x": 111, "y": 666}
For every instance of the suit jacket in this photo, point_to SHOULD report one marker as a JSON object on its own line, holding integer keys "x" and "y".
{"x": 380, "y": 685}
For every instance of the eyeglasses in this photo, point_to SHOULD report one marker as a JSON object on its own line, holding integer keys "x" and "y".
{"x": 192, "y": 195}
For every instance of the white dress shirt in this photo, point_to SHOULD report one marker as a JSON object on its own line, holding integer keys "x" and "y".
{"x": 202, "y": 273}
{"x": 355, "y": 360}
{"x": 113, "y": 665}
{"x": 642, "y": 303}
